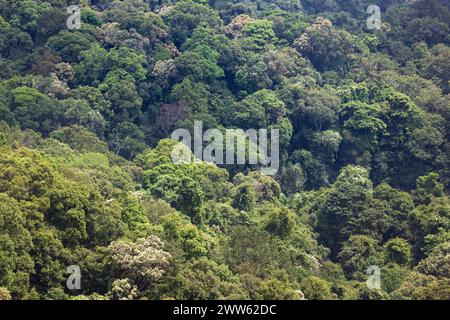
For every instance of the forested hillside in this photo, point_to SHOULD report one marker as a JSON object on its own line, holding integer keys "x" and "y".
{"x": 87, "y": 178}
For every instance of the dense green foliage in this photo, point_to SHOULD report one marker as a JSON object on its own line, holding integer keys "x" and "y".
{"x": 86, "y": 176}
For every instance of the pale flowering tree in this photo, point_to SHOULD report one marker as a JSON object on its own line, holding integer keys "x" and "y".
{"x": 4, "y": 294}
{"x": 235, "y": 28}
{"x": 142, "y": 262}
{"x": 122, "y": 289}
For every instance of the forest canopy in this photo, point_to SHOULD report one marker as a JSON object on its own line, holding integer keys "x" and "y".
{"x": 87, "y": 179}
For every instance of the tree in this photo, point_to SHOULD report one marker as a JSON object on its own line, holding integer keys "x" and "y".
{"x": 251, "y": 248}
{"x": 105, "y": 221}
{"x": 292, "y": 178}
{"x": 436, "y": 66}
{"x": 357, "y": 254}
{"x": 424, "y": 143}
{"x": 279, "y": 221}
{"x": 68, "y": 45}
{"x": 192, "y": 96}
{"x": 205, "y": 279}
{"x": 15, "y": 43}
{"x": 363, "y": 119}
{"x": 396, "y": 208}
{"x": 437, "y": 262}
{"x": 401, "y": 117}
{"x": 393, "y": 276}
{"x": 244, "y": 197}
{"x": 122, "y": 289}
{"x": 128, "y": 60}
{"x": 422, "y": 287}
{"x": 318, "y": 108}
{"x": 315, "y": 171}
{"x": 127, "y": 140}
{"x": 35, "y": 110}
{"x": 91, "y": 66}
{"x": 25, "y": 174}
{"x": 273, "y": 289}
{"x": 200, "y": 65}
{"x": 327, "y": 143}
{"x": 110, "y": 35}
{"x": 45, "y": 64}
{"x": 143, "y": 261}
{"x": 49, "y": 23}
{"x": 186, "y": 16}
{"x": 316, "y": 288}
{"x": 78, "y": 112}
{"x": 4, "y": 294}
{"x": 258, "y": 34}
{"x": 25, "y": 15}
{"x": 66, "y": 211}
{"x": 48, "y": 255}
{"x": 119, "y": 88}
{"x": 235, "y": 28}
{"x": 398, "y": 250}
{"x": 254, "y": 74}
{"x": 183, "y": 192}
{"x": 430, "y": 219}
{"x": 170, "y": 114}
{"x": 94, "y": 97}
{"x": 428, "y": 187}
{"x": 427, "y": 29}
{"x": 181, "y": 233}
{"x": 326, "y": 47}
{"x": 16, "y": 263}
{"x": 79, "y": 138}
{"x": 338, "y": 214}
{"x": 259, "y": 110}
{"x": 126, "y": 12}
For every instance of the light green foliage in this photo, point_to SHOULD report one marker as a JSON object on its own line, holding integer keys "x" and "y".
{"x": 259, "y": 110}
{"x": 205, "y": 279}
{"x": 244, "y": 197}
{"x": 16, "y": 262}
{"x": 422, "y": 287}
{"x": 258, "y": 33}
{"x": 315, "y": 288}
{"x": 428, "y": 187}
{"x": 437, "y": 262}
{"x": 120, "y": 90}
{"x": 128, "y": 60}
{"x": 398, "y": 251}
{"x": 80, "y": 139}
{"x": 200, "y": 64}
{"x": 279, "y": 221}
